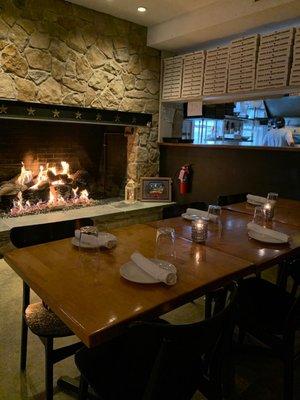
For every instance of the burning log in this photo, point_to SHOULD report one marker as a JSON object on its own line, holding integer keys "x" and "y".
{"x": 65, "y": 179}
{"x": 11, "y": 188}
{"x": 52, "y": 176}
{"x": 50, "y": 188}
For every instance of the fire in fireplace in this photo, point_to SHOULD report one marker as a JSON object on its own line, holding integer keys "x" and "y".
{"x": 51, "y": 166}
{"x": 40, "y": 188}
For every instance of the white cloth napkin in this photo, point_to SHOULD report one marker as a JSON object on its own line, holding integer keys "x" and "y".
{"x": 268, "y": 232}
{"x": 256, "y": 199}
{"x": 201, "y": 213}
{"x": 103, "y": 239}
{"x": 154, "y": 270}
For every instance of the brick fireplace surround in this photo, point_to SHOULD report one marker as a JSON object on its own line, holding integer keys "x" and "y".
{"x": 56, "y": 52}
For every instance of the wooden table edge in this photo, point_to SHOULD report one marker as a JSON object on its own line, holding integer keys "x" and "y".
{"x": 92, "y": 340}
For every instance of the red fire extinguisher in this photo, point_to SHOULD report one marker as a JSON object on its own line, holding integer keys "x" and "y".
{"x": 184, "y": 176}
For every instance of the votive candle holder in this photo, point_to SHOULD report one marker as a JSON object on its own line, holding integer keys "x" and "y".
{"x": 268, "y": 209}
{"x": 199, "y": 230}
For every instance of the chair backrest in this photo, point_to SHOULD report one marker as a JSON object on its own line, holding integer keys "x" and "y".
{"x": 37, "y": 234}
{"x": 293, "y": 318}
{"x": 225, "y": 200}
{"x": 185, "y": 354}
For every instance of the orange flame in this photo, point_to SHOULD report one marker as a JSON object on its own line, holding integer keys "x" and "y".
{"x": 25, "y": 176}
{"x": 55, "y": 197}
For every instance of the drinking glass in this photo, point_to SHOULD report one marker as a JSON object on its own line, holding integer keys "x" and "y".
{"x": 259, "y": 215}
{"x": 89, "y": 257}
{"x": 165, "y": 243}
{"x": 215, "y": 211}
{"x": 272, "y": 197}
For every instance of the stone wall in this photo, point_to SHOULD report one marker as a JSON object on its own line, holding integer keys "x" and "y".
{"x": 52, "y": 51}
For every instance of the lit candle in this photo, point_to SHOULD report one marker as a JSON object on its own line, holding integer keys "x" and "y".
{"x": 199, "y": 230}
{"x": 269, "y": 210}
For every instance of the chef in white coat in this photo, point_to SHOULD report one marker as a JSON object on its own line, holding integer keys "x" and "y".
{"x": 279, "y": 135}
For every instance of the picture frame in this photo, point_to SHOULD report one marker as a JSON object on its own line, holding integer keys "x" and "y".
{"x": 156, "y": 189}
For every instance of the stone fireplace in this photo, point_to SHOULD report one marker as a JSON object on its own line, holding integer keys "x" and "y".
{"x": 66, "y": 55}
{"x": 75, "y": 166}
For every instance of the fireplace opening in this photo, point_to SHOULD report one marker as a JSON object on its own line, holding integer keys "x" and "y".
{"x": 47, "y": 166}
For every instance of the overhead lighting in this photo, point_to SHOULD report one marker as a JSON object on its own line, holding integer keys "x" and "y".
{"x": 142, "y": 9}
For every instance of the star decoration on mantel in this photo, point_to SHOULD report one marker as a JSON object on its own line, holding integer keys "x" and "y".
{"x": 31, "y": 111}
{"x": 3, "y": 109}
{"x": 78, "y": 115}
{"x": 117, "y": 119}
{"x": 55, "y": 113}
{"x": 98, "y": 117}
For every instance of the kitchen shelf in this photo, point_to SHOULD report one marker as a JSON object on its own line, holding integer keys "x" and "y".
{"x": 231, "y": 146}
{"x": 233, "y": 97}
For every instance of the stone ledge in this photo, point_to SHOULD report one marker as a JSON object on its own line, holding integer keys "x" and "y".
{"x": 114, "y": 208}
{"x": 114, "y": 215}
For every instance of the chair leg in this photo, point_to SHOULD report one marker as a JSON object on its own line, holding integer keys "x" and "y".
{"x": 24, "y": 337}
{"x": 288, "y": 388}
{"x": 49, "y": 368}
{"x": 24, "y": 329}
{"x": 208, "y": 305}
{"x": 294, "y": 289}
{"x": 220, "y": 301}
{"x": 241, "y": 336}
{"x": 282, "y": 275}
{"x": 83, "y": 389}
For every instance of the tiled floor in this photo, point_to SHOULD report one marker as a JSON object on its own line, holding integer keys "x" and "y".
{"x": 258, "y": 377}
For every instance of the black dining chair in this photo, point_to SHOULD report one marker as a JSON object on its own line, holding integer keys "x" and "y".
{"x": 272, "y": 315}
{"x": 289, "y": 268}
{"x": 159, "y": 361}
{"x": 295, "y": 275}
{"x": 225, "y": 200}
{"x": 37, "y": 316}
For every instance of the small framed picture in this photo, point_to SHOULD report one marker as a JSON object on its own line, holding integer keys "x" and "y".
{"x": 156, "y": 189}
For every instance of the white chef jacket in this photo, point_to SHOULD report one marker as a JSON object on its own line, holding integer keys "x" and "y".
{"x": 279, "y": 138}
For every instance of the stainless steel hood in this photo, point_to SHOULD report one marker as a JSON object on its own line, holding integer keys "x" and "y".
{"x": 287, "y": 107}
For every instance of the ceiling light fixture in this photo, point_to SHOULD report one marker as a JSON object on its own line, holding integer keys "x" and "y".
{"x": 142, "y": 9}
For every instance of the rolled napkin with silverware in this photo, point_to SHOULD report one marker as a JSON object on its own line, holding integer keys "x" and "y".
{"x": 104, "y": 239}
{"x": 201, "y": 214}
{"x": 256, "y": 199}
{"x": 268, "y": 232}
{"x": 154, "y": 270}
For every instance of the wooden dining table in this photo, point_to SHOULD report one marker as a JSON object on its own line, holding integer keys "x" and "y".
{"x": 86, "y": 291}
{"x": 233, "y": 238}
{"x": 286, "y": 211}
